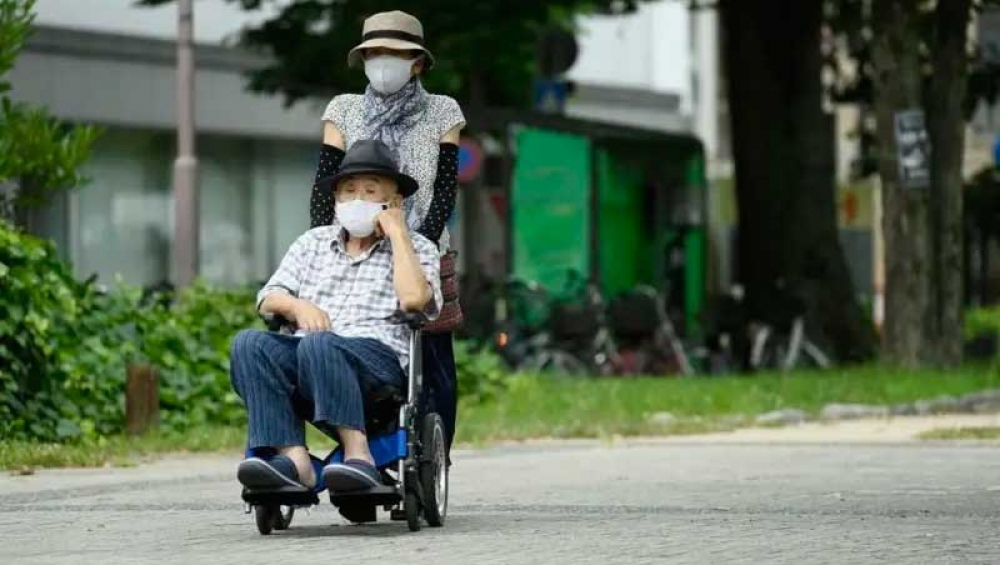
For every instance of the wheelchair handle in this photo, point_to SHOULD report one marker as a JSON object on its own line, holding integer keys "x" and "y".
{"x": 414, "y": 321}
{"x": 276, "y": 322}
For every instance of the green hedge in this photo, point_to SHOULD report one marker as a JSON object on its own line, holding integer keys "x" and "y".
{"x": 65, "y": 346}
{"x": 188, "y": 339}
{"x": 982, "y": 321}
{"x": 482, "y": 374}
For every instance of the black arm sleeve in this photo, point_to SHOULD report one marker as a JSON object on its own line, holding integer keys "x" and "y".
{"x": 321, "y": 203}
{"x": 445, "y": 191}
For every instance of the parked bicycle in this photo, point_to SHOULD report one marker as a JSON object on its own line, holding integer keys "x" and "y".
{"x": 645, "y": 340}
{"x": 577, "y": 341}
{"x": 781, "y": 342}
{"x": 775, "y": 340}
{"x": 520, "y": 314}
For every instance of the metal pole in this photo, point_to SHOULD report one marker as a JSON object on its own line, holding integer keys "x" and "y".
{"x": 185, "y": 248}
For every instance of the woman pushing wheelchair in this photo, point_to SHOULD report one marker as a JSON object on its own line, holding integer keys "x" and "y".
{"x": 423, "y": 130}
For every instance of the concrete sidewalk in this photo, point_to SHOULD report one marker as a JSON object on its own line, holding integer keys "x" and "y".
{"x": 893, "y": 429}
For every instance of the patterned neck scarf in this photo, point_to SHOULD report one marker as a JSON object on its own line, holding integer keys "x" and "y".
{"x": 389, "y": 117}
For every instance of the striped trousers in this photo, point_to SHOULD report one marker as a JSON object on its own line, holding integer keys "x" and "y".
{"x": 320, "y": 378}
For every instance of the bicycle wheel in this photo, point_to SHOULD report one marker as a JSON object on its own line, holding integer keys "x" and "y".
{"x": 555, "y": 363}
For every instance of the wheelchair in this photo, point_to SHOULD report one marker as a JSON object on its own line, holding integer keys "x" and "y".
{"x": 407, "y": 440}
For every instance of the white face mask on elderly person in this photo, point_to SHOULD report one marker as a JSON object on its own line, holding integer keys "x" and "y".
{"x": 360, "y": 199}
{"x": 388, "y": 73}
{"x": 358, "y": 216}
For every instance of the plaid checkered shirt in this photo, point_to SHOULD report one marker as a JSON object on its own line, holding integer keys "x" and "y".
{"x": 356, "y": 292}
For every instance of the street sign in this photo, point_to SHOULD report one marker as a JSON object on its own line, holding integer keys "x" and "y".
{"x": 550, "y": 95}
{"x": 470, "y": 160}
{"x": 913, "y": 149}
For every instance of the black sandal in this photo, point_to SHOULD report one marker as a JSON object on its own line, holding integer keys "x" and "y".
{"x": 276, "y": 473}
{"x": 351, "y": 475}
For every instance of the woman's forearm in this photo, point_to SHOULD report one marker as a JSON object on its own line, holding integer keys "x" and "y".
{"x": 321, "y": 202}
{"x": 445, "y": 193}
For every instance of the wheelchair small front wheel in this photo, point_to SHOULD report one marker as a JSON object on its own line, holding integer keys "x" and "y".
{"x": 434, "y": 470}
{"x": 264, "y": 515}
{"x": 283, "y": 517}
{"x": 411, "y": 504}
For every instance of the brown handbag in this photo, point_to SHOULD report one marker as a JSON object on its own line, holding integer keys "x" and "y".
{"x": 451, "y": 312}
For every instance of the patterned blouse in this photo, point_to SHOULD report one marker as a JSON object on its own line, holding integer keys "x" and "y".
{"x": 418, "y": 150}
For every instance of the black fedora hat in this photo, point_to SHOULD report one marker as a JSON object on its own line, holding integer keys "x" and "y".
{"x": 370, "y": 157}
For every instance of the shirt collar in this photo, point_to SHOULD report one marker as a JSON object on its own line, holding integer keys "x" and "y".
{"x": 340, "y": 243}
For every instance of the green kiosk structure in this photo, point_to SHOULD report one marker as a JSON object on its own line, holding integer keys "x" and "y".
{"x": 625, "y": 206}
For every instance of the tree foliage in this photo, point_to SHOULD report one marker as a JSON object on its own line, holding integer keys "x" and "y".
{"x": 485, "y": 51}
{"x": 36, "y": 151}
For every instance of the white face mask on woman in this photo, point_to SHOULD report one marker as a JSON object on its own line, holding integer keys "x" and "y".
{"x": 358, "y": 216}
{"x": 388, "y": 74}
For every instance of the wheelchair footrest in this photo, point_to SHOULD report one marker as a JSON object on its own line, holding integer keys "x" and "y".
{"x": 358, "y": 513}
{"x": 286, "y": 496}
{"x": 375, "y": 496}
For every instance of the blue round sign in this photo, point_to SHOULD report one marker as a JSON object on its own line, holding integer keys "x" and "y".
{"x": 470, "y": 160}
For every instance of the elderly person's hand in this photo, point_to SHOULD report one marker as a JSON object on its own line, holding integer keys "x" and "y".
{"x": 307, "y": 316}
{"x": 391, "y": 223}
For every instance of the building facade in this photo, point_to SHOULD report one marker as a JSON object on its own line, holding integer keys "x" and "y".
{"x": 257, "y": 157}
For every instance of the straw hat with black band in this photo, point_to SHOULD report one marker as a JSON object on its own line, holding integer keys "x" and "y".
{"x": 395, "y": 30}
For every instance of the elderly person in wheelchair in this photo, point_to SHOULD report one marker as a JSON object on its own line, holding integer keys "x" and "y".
{"x": 347, "y": 290}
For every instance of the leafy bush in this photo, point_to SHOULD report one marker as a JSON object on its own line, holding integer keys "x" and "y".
{"x": 63, "y": 345}
{"x": 982, "y": 321}
{"x": 188, "y": 341}
{"x": 481, "y": 373}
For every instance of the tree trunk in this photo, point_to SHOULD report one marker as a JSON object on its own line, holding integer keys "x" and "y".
{"x": 923, "y": 226}
{"x": 905, "y": 210}
{"x": 947, "y": 133}
{"x": 783, "y": 144}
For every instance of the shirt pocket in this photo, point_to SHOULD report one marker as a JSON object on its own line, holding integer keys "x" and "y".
{"x": 378, "y": 301}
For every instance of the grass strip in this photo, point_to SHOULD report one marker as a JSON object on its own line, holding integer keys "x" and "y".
{"x": 980, "y": 434}
{"x": 540, "y": 406}
{"x": 550, "y": 407}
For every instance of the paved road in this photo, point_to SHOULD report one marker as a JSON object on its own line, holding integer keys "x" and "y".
{"x": 581, "y": 502}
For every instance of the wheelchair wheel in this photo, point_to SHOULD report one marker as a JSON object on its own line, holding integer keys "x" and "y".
{"x": 264, "y": 516}
{"x": 412, "y": 507}
{"x": 283, "y": 517}
{"x": 270, "y": 517}
{"x": 434, "y": 471}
